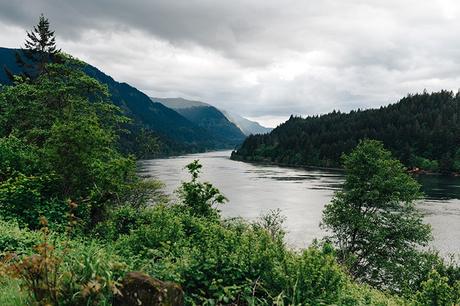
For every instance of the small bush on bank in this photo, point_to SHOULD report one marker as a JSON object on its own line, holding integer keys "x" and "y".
{"x": 17, "y": 240}
{"x": 54, "y": 270}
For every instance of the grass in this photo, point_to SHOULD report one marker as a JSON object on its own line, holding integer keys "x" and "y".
{"x": 11, "y": 293}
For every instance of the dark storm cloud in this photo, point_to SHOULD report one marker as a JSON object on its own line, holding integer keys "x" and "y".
{"x": 264, "y": 59}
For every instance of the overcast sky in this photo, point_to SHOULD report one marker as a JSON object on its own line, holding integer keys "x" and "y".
{"x": 262, "y": 59}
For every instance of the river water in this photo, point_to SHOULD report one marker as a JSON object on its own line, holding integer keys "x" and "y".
{"x": 253, "y": 189}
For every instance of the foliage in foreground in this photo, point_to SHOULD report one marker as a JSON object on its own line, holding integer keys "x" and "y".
{"x": 56, "y": 271}
{"x": 373, "y": 219}
{"x": 58, "y": 142}
{"x": 216, "y": 261}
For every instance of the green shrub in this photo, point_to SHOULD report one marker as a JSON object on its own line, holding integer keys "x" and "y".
{"x": 91, "y": 274}
{"x": 354, "y": 294}
{"x": 200, "y": 198}
{"x": 26, "y": 198}
{"x": 437, "y": 292}
{"x": 16, "y": 240}
{"x": 17, "y": 157}
{"x": 151, "y": 229}
{"x": 228, "y": 261}
{"x": 58, "y": 271}
{"x": 313, "y": 278}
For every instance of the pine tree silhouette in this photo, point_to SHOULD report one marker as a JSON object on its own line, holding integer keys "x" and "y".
{"x": 39, "y": 50}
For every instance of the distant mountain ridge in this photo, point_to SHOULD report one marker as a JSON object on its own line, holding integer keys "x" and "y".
{"x": 179, "y": 103}
{"x": 207, "y": 117}
{"x": 246, "y": 126}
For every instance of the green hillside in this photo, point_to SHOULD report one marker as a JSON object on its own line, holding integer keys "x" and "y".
{"x": 176, "y": 133}
{"x": 207, "y": 117}
{"x": 421, "y": 130}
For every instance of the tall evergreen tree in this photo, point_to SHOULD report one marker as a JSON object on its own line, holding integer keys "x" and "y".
{"x": 41, "y": 38}
{"x": 39, "y": 49}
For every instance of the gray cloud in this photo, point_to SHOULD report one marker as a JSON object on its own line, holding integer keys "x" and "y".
{"x": 262, "y": 59}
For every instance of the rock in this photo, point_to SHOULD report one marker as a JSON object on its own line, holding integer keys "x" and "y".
{"x": 140, "y": 289}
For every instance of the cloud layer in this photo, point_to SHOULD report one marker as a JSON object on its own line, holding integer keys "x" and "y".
{"x": 263, "y": 59}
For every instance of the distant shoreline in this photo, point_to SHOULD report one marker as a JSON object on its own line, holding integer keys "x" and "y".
{"x": 334, "y": 169}
{"x": 271, "y": 163}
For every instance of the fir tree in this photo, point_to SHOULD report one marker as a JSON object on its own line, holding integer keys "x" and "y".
{"x": 41, "y": 38}
{"x": 39, "y": 49}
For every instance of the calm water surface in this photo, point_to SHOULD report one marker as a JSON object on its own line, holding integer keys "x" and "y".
{"x": 300, "y": 194}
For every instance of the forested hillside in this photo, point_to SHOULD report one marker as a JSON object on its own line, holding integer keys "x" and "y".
{"x": 207, "y": 117}
{"x": 173, "y": 132}
{"x": 421, "y": 130}
{"x": 246, "y": 126}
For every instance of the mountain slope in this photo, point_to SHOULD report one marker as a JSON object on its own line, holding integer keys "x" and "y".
{"x": 247, "y": 126}
{"x": 207, "y": 117}
{"x": 171, "y": 127}
{"x": 154, "y": 116}
{"x": 179, "y": 103}
{"x": 421, "y": 130}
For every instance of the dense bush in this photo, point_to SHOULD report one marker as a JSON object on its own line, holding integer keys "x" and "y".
{"x": 227, "y": 261}
{"x": 57, "y": 271}
{"x": 11, "y": 293}
{"x": 15, "y": 239}
{"x": 437, "y": 291}
{"x": 27, "y": 189}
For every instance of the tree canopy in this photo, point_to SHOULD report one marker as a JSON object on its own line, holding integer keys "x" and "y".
{"x": 422, "y": 131}
{"x": 58, "y": 136}
{"x": 373, "y": 220}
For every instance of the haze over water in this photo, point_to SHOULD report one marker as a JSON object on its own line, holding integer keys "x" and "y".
{"x": 301, "y": 194}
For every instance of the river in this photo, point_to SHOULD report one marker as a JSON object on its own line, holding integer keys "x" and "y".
{"x": 253, "y": 189}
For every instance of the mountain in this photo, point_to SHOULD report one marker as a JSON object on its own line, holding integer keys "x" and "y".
{"x": 176, "y": 133}
{"x": 421, "y": 130}
{"x": 179, "y": 103}
{"x": 207, "y": 117}
{"x": 247, "y": 126}
{"x": 154, "y": 116}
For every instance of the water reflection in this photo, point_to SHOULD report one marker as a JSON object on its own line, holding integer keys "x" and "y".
{"x": 301, "y": 194}
{"x": 438, "y": 187}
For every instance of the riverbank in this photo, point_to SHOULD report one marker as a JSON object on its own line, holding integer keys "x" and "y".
{"x": 300, "y": 193}
{"x": 416, "y": 171}
{"x": 272, "y": 163}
